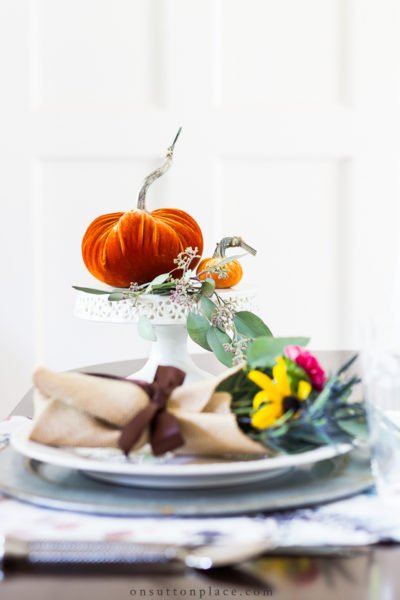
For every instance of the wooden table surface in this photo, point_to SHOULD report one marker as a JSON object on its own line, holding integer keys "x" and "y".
{"x": 374, "y": 575}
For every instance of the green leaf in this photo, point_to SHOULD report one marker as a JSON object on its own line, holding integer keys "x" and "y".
{"x": 208, "y": 287}
{"x": 354, "y": 428}
{"x": 321, "y": 400}
{"x": 146, "y": 329}
{"x": 347, "y": 365}
{"x": 198, "y": 327}
{"x": 222, "y": 262}
{"x": 249, "y": 325}
{"x": 279, "y": 431}
{"x": 116, "y": 296}
{"x": 90, "y": 290}
{"x": 207, "y": 306}
{"x": 264, "y": 350}
{"x": 216, "y": 339}
{"x": 229, "y": 259}
{"x": 159, "y": 280}
{"x": 295, "y": 373}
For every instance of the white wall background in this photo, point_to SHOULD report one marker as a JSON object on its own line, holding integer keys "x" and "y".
{"x": 291, "y": 139}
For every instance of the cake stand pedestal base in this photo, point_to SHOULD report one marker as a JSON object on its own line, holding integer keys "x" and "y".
{"x": 170, "y": 349}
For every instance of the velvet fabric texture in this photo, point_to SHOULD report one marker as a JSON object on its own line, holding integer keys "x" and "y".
{"x": 136, "y": 246}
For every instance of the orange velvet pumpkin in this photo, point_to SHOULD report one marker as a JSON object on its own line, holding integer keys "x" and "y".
{"x": 233, "y": 268}
{"x": 135, "y": 246}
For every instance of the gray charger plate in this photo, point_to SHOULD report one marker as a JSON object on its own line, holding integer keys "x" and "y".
{"x": 66, "y": 489}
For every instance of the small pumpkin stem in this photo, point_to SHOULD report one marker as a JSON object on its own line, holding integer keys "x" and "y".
{"x": 141, "y": 203}
{"x": 232, "y": 242}
{"x": 217, "y": 251}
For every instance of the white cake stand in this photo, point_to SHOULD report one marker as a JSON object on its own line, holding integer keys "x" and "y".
{"x": 169, "y": 321}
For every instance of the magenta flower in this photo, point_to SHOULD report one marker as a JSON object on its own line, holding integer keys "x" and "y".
{"x": 309, "y": 363}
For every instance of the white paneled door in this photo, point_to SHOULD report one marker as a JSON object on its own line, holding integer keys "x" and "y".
{"x": 291, "y": 138}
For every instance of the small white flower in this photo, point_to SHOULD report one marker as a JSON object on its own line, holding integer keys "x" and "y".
{"x": 222, "y": 317}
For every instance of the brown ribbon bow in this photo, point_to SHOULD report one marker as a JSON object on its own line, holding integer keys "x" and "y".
{"x": 164, "y": 430}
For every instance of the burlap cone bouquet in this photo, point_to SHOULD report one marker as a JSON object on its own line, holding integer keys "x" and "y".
{"x": 87, "y": 410}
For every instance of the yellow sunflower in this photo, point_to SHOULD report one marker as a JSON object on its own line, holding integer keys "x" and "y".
{"x": 268, "y": 403}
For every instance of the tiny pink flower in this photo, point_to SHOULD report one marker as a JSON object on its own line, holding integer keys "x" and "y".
{"x": 309, "y": 363}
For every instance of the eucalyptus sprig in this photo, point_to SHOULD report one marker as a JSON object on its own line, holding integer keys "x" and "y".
{"x": 212, "y": 321}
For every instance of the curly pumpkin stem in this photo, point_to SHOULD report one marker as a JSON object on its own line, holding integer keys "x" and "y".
{"x": 141, "y": 203}
{"x": 232, "y": 242}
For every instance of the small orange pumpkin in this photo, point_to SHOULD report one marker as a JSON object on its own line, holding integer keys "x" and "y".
{"x": 136, "y": 246}
{"x": 232, "y": 268}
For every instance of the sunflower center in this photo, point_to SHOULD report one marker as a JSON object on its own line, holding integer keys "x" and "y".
{"x": 290, "y": 403}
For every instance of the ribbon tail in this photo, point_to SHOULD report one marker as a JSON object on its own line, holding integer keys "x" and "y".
{"x": 165, "y": 434}
{"x": 133, "y": 430}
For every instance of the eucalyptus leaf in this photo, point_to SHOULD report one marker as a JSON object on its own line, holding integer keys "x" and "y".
{"x": 198, "y": 327}
{"x": 229, "y": 259}
{"x": 222, "y": 262}
{"x": 208, "y": 287}
{"x": 216, "y": 340}
{"x": 116, "y": 296}
{"x": 249, "y": 325}
{"x": 207, "y": 306}
{"x": 146, "y": 329}
{"x": 90, "y": 290}
{"x": 262, "y": 352}
{"x": 159, "y": 279}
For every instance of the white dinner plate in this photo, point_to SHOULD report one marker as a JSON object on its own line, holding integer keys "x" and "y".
{"x": 169, "y": 471}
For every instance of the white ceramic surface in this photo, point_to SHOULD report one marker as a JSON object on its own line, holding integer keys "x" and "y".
{"x": 177, "y": 472}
